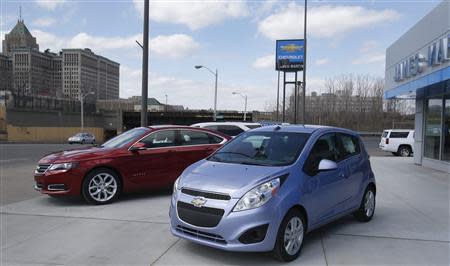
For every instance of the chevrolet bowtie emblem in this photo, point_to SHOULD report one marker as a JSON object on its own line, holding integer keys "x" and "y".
{"x": 198, "y": 202}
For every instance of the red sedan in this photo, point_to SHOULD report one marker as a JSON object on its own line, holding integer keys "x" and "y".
{"x": 139, "y": 159}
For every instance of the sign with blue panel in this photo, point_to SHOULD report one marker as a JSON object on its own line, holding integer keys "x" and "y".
{"x": 290, "y": 55}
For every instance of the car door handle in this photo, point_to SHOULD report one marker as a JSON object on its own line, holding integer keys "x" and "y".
{"x": 341, "y": 175}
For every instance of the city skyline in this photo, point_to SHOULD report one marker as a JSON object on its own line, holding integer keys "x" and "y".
{"x": 237, "y": 37}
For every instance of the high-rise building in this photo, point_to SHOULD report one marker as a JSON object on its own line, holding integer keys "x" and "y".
{"x": 6, "y": 73}
{"x": 19, "y": 37}
{"x": 85, "y": 72}
{"x": 67, "y": 74}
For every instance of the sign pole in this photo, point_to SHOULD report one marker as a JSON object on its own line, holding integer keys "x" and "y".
{"x": 295, "y": 99}
{"x": 278, "y": 98}
{"x": 284, "y": 96}
{"x": 304, "y": 70}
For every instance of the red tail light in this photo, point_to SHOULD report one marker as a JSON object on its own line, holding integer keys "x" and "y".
{"x": 387, "y": 141}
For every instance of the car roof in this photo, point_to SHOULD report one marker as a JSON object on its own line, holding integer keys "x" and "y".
{"x": 398, "y": 130}
{"x": 303, "y": 129}
{"x": 226, "y": 123}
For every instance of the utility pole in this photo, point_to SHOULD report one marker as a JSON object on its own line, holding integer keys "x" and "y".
{"x": 144, "y": 104}
{"x": 304, "y": 70}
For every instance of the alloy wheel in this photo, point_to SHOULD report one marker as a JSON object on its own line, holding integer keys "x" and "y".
{"x": 369, "y": 203}
{"x": 293, "y": 236}
{"x": 102, "y": 187}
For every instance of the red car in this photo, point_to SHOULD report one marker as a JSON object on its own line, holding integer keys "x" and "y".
{"x": 139, "y": 159}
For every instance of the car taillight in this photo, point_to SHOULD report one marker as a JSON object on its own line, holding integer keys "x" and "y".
{"x": 387, "y": 141}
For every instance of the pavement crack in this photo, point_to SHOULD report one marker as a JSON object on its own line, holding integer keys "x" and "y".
{"x": 394, "y": 238}
{"x": 323, "y": 249}
{"x": 85, "y": 218}
{"x": 164, "y": 253}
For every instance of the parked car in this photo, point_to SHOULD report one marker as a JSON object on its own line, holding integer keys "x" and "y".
{"x": 266, "y": 188}
{"x": 141, "y": 158}
{"x": 82, "y": 138}
{"x": 398, "y": 141}
{"x": 231, "y": 129}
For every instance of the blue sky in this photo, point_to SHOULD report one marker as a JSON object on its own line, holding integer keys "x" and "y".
{"x": 237, "y": 37}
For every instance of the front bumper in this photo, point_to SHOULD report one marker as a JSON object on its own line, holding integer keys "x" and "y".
{"x": 58, "y": 183}
{"x": 226, "y": 234}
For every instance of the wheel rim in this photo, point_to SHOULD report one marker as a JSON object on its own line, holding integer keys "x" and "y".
{"x": 293, "y": 236}
{"x": 404, "y": 152}
{"x": 102, "y": 187}
{"x": 369, "y": 203}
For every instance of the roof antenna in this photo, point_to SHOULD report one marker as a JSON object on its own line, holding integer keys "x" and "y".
{"x": 20, "y": 12}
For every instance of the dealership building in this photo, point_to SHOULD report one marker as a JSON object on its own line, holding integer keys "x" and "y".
{"x": 418, "y": 68}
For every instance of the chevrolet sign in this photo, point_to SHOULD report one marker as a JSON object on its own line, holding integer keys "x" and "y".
{"x": 198, "y": 202}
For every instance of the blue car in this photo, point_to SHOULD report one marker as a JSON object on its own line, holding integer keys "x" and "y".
{"x": 269, "y": 186}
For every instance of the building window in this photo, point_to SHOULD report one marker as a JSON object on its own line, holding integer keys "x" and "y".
{"x": 433, "y": 127}
{"x": 446, "y": 131}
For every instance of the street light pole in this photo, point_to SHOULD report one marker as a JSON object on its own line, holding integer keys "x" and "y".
{"x": 82, "y": 96}
{"x": 216, "y": 75}
{"x": 245, "y": 99}
{"x": 144, "y": 104}
{"x": 304, "y": 69}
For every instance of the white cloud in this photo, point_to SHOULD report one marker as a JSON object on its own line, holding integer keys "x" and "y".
{"x": 50, "y": 4}
{"x": 324, "y": 21}
{"x": 267, "y": 61}
{"x": 369, "y": 46}
{"x": 322, "y": 61}
{"x": 370, "y": 58}
{"x": 176, "y": 45}
{"x": 193, "y": 14}
{"x": 43, "y": 22}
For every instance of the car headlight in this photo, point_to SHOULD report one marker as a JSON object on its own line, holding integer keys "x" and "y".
{"x": 175, "y": 187}
{"x": 258, "y": 196}
{"x": 62, "y": 166}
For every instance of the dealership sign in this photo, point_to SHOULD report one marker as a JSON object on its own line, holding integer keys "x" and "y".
{"x": 438, "y": 54}
{"x": 290, "y": 55}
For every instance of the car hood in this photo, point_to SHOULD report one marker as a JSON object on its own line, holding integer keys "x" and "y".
{"x": 74, "y": 155}
{"x": 232, "y": 179}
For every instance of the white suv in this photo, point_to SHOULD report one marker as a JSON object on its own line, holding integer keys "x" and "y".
{"x": 398, "y": 141}
{"x": 231, "y": 129}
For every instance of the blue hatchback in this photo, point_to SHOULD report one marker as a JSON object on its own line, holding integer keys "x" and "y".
{"x": 267, "y": 187}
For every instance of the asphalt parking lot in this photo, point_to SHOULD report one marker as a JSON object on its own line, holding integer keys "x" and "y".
{"x": 411, "y": 224}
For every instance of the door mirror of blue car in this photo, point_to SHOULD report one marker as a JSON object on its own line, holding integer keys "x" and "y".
{"x": 327, "y": 165}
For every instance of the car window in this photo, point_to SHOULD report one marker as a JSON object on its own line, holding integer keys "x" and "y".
{"x": 253, "y": 126}
{"x": 385, "y": 134}
{"x": 349, "y": 145}
{"x": 399, "y": 134}
{"x": 262, "y": 148}
{"x": 194, "y": 137}
{"x": 230, "y": 130}
{"x": 324, "y": 148}
{"x": 159, "y": 139}
{"x": 124, "y": 138}
{"x": 211, "y": 127}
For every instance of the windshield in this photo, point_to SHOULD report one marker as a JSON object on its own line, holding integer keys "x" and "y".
{"x": 262, "y": 148}
{"x": 124, "y": 138}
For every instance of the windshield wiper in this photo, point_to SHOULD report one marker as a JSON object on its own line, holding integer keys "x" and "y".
{"x": 238, "y": 153}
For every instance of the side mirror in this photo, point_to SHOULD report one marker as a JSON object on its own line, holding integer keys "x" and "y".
{"x": 326, "y": 165}
{"x": 138, "y": 147}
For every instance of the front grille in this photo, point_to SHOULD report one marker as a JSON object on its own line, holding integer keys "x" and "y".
{"x": 201, "y": 235}
{"x": 199, "y": 216}
{"x": 41, "y": 168}
{"x": 208, "y": 195}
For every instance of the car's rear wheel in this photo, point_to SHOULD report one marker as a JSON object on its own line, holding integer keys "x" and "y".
{"x": 290, "y": 236}
{"x": 404, "y": 151}
{"x": 101, "y": 186}
{"x": 367, "y": 208}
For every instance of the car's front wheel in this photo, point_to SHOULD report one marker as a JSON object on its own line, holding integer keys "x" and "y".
{"x": 404, "y": 151}
{"x": 367, "y": 208}
{"x": 290, "y": 236}
{"x": 101, "y": 186}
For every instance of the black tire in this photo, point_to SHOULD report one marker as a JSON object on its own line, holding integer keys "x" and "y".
{"x": 82, "y": 142}
{"x": 362, "y": 214}
{"x": 404, "y": 151}
{"x": 279, "y": 251}
{"x": 111, "y": 194}
{"x": 70, "y": 143}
